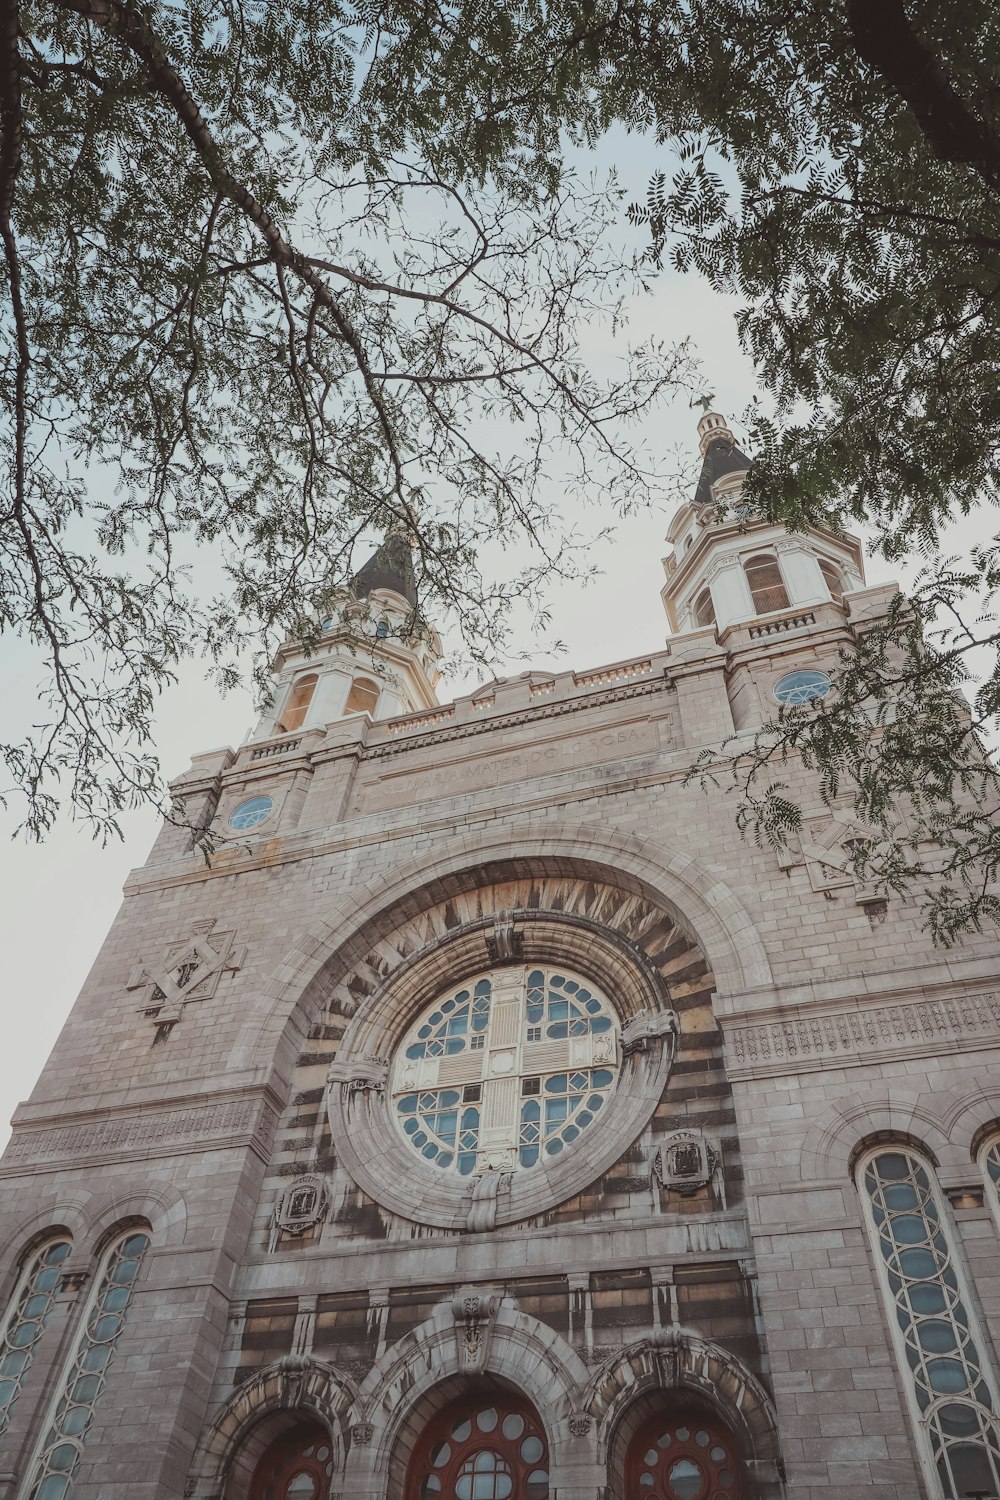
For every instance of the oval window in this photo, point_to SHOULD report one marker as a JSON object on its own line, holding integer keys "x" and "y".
{"x": 251, "y": 813}
{"x": 801, "y": 687}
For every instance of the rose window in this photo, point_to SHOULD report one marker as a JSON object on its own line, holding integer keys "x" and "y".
{"x": 506, "y": 1071}
{"x": 688, "y": 1458}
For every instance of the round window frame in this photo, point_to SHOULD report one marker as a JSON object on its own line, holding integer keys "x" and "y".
{"x": 247, "y": 802}
{"x": 373, "y": 1151}
{"x": 395, "y": 1090}
{"x": 802, "y": 672}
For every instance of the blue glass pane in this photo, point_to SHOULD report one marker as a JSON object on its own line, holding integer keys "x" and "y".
{"x": 801, "y": 687}
{"x": 250, "y": 813}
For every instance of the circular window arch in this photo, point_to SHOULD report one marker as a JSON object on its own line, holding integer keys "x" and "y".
{"x": 493, "y": 1448}
{"x": 370, "y": 1078}
{"x": 682, "y": 1457}
{"x": 251, "y": 813}
{"x": 298, "y": 1465}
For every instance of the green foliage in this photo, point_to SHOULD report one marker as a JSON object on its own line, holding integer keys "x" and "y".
{"x": 270, "y": 286}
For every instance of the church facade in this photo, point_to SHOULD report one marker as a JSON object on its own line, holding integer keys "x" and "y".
{"x": 478, "y": 1117}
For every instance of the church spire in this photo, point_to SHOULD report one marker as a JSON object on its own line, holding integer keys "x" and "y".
{"x": 389, "y": 567}
{"x": 722, "y": 460}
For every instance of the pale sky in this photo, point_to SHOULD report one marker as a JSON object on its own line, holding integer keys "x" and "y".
{"x": 59, "y": 898}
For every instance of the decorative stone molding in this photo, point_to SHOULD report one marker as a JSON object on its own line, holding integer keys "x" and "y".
{"x": 362, "y": 1434}
{"x": 504, "y": 945}
{"x": 475, "y": 1318}
{"x": 73, "y": 1281}
{"x": 779, "y": 627}
{"x": 823, "y": 845}
{"x": 302, "y": 1204}
{"x": 645, "y": 1026}
{"x": 909, "y": 1027}
{"x": 190, "y": 969}
{"x": 579, "y": 1424}
{"x": 371, "y": 1146}
{"x": 680, "y": 1359}
{"x": 530, "y": 715}
{"x": 486, "y": 1191}
{"x": 131, "y": 1133}
{"x": 685, "y": 1162}
{"x": 297, "y": 1382}
{"x": 362, "y": 1075}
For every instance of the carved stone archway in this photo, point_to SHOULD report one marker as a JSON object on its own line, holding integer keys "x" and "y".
{"x": 269, "y": 1403}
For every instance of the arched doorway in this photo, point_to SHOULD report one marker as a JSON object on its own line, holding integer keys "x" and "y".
{"x": 486, "y": 1447}
{"x": 683, "y": 1456}
{"x": 298, "y": 1465}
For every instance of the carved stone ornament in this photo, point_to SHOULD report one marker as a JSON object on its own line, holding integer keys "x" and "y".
{"x": 361, "y": 1075}
{"x": 486, "y": 1189}
{"x": 579, "y": 1423}
{"x": 685, "y": 1162}
{"x": 362, "y": 1433}
{"x": 302, "y": 1204}
{"x": 504, "y": 944}
{"x": 294, "y": 1371}
{"x": 474, "y": 1316}
{"x": 188, "y": 969}
{"x": 645, "y": 1026}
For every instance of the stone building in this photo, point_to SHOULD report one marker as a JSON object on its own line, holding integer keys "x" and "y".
{"x": 484, "y": 1119}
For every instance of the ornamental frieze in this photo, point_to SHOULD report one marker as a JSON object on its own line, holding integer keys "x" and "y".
{"x": 916, "y": 1026}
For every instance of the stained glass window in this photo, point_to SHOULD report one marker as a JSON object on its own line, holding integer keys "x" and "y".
{"x": 801, "y": 687}
{"x": 73, "y": 1413}
{"x": 298, "y": 1465}
{"x": 25, "y": 1323}
{"x": 491, "y": 1450}
{"x": 507, "y": 1070}
{"x": 251, "y": 813}
{"x": 952, "y": 1389}
{"x": 682, "y": 1457}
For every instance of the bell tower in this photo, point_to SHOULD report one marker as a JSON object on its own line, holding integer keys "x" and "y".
{"x": 728, "y": 568}
{"x": 374, "y": 654}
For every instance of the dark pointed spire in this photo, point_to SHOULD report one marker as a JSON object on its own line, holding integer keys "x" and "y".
{"x": 390, "y": 567}
{"x": 720, "y": 456}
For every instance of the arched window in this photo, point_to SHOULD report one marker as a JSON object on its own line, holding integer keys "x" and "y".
{"x": 298, "y": 703}
{"x": 26, "y": 1318}
{"x": 833, "y": 579}
{"x": 70, "y": 1418}
{"x": 704, "y": 609}
{"x": 296, "y": 1466}
{"x": 942, "y": 1354}
{"x": 766, "y": 584}
{"x": 989, "y": 1164}
{"x": 491, "y": 1449}
{"x": 363, "y": 697}
{"x": 682, "y": 1457}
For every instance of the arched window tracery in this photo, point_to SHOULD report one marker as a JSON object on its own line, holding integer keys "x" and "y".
{"x": 493, "y": 1448}
{"x": 951, "y": 1387}
{"x": 298, "y": 1465}
{"x": 767, "y": 586}
{"x": 70, "y": 1418}
{"x": 682, "y": 1456}
{"x": 27, "y": 1315}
